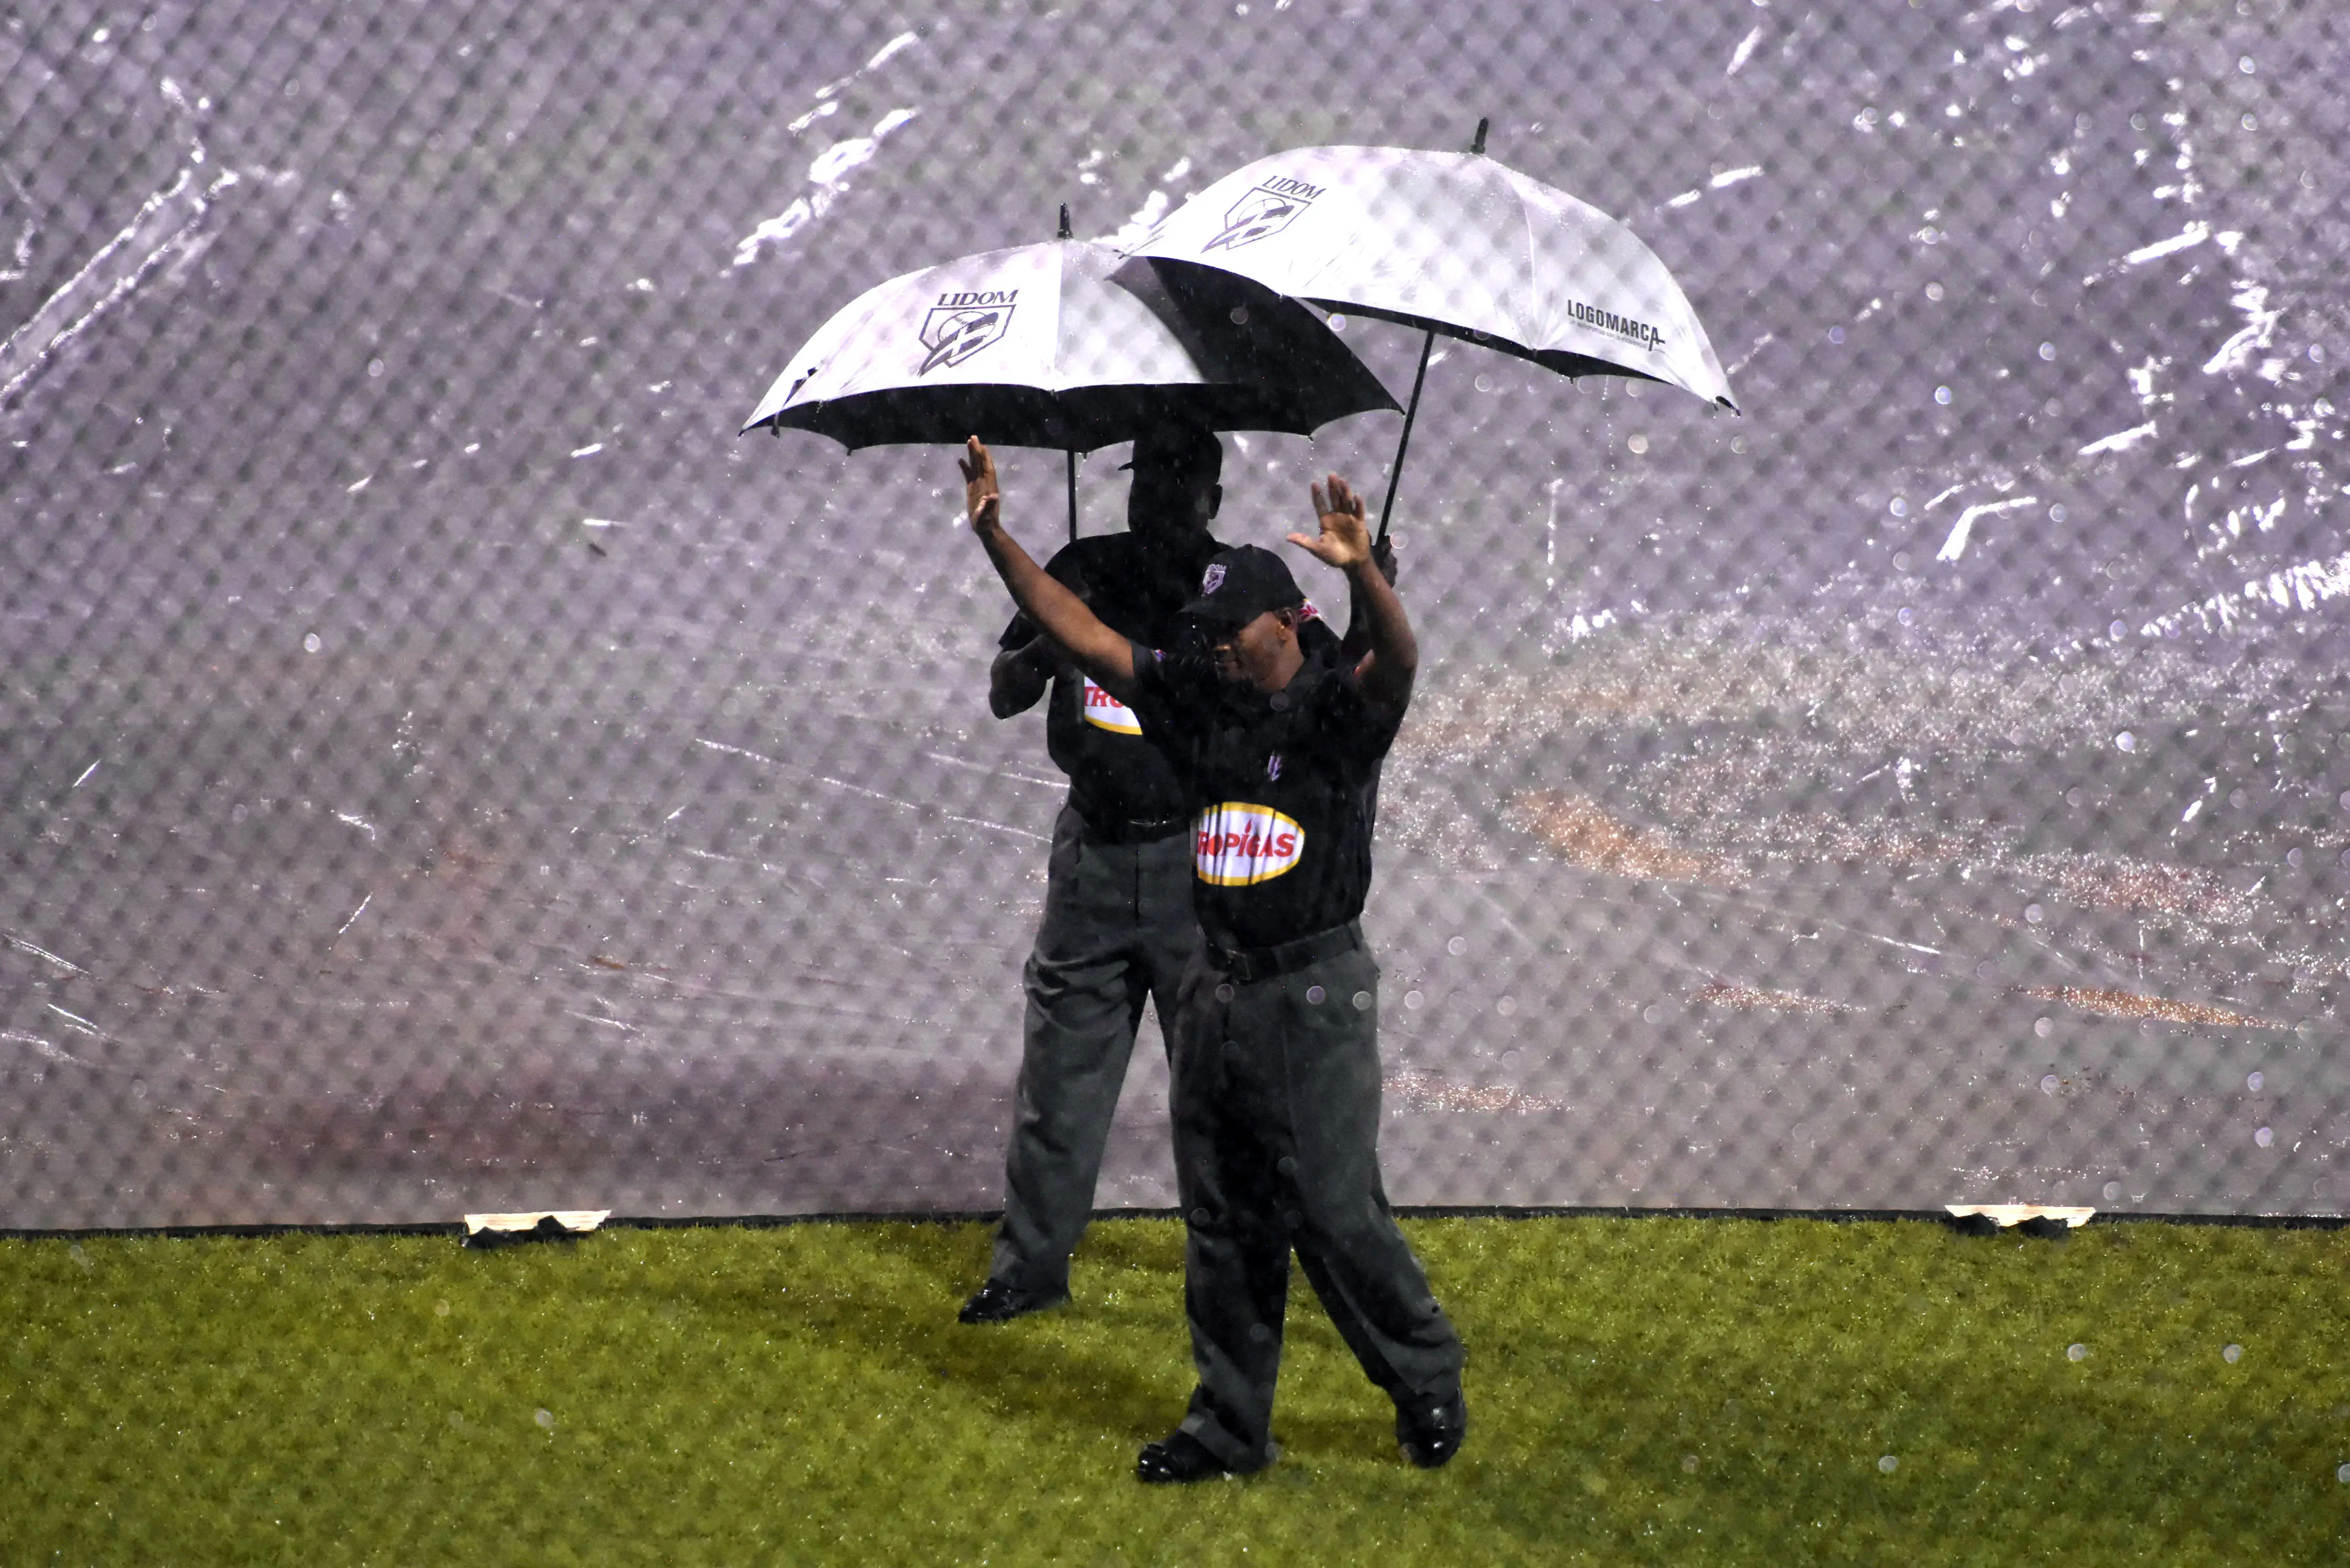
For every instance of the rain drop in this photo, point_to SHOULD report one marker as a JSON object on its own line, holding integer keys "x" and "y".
{"x": 1315, "y": 993}
{"x": 544, "y": 1419}
{"x": 1484, "y": 383}
{"x": 2344, "y": 802}
{"x": 2048, "y": 1084}
{"x": 1239, "y": 316}
{"x": 2077, "y": 1353}
{"x": 2113, "y": 1191}
{"x": 1933, "y": 291}
{"x": 1337, "y": 324}
{"x": 2233, "y": 1354}
{"x": 2263, "y": 1138}
{"x": 2044, "y": 1027}
{"x": 2126, "y": 741}
{"x": 1412, "y": 999}
{"x": 2048, "y": 351}
{"x": 2057, "y": 513}
{"x": 1638, "y": 443}
{"x": 1836, "y": 333}
{"x": 2292, "y": 857}
{"x": 1943, "y": 395}
{"x": 1888, "y": 1464}
{"x": 375, "y": 368}
{"x": 2034, "y": 913}
{"x": 1899, "y": 507}
{"x": 2119, "y": 629}
{"x": 1457, "y": 946}
{"x": 1689, "y": 1464}
{"x": 2253, "y": 1081}
{"x": 1362, "y": 1001}
{"x": 1507, "y": 1006}
{"x": 312, "y": 643}
{"x": 2246, "y": 66}
{"x": 440, "y": 1309}
{"x": 1905, "y": 615}
{"x": 2342, "y": 1474}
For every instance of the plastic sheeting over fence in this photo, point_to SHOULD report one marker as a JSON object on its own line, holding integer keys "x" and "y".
{"x": 443, "y": 769}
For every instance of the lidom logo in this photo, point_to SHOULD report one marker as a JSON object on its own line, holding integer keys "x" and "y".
{"x": 1239, "y": 843}
{"x": 1104, "y": 711}
{"x": 962, "y": 324}
{"x": 1265, "y": 211}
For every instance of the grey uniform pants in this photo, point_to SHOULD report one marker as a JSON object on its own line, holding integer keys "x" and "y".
{"x": 1117, "y": 928}
{"x": 1276, "y": 1103}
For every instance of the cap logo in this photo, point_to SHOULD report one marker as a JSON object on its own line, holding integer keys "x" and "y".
{"x": 1214, "y": 578}
{"x": 1272, "y": 766}
{"x": 1264, "y": 212}
{"x": 963, "y": 323}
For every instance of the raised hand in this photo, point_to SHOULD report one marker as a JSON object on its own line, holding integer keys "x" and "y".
{"x": 1345, "y": 538}
{"x": 981, "y": 497}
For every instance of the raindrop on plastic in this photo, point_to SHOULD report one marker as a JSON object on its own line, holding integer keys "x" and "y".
{"x": 1888, "y": 1464}
{"x": 2265, "y": 1136}
{"x": 2253, "y": 1081}
{"x": 544, "y": 1419}
{"x": 2233, "y": 1354}
{"x": 2077, "y": 1353}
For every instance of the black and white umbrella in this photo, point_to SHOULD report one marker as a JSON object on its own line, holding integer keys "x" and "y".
{"x": 1454, "y": 244}
{"x": 1068, "y": 345}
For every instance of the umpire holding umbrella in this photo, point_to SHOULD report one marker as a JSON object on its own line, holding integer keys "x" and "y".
{"x": 1276, "y": 750}
{"x": 1118, "y": 923}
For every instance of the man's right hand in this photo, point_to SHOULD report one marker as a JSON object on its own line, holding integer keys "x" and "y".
{"x": 982, "y": 498}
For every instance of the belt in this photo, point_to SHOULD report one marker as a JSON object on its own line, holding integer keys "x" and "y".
{"x": 1249, "y": 965}
{"x": 1130, "y": 829}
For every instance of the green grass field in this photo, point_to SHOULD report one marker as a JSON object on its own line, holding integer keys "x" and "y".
{"x": 1665, "y": 1390}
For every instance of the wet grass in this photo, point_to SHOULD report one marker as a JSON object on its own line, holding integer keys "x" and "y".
{"x": 1657, "y": 1390}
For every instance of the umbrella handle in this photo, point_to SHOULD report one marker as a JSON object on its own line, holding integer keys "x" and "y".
{"x": 1073, "y": 496}
{"x": 1403, "y": 443}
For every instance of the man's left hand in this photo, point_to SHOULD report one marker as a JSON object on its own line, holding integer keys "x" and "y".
{"x": 1345, "y": 539}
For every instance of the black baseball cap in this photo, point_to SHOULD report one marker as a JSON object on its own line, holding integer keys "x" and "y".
{"x": 1178, "y": 445}
{"x": 1241, "y": 584}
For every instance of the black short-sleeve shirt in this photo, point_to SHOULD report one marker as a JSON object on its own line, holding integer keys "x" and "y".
{"x": 1280, "y": 789}
{"x": 1115, "y": 775}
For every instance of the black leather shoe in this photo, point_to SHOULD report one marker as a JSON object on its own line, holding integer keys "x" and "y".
{"x": 996, "y": 1302}
{"x": 1178, "y": 1459}
{"x": 1429, "y": 1431}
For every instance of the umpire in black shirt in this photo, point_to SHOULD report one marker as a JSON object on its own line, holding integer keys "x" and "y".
{"x": 1275, "y": 1056}
{"x": 1118, "y": 923}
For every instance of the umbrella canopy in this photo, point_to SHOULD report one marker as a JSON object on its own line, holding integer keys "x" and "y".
{"x": 1453, "y": 242}
{"x": 1065, "y": 344}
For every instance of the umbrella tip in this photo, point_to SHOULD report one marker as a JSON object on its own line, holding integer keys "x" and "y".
{"x": 1478, "y": 144}
{"x": 1066, "y": 231}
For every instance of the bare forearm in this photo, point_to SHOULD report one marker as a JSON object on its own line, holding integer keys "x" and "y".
{"x": 1393, "y": 656}
{"x": 1070, "y": 628}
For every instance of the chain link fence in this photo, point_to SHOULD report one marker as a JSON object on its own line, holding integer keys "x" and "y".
{"x": 443, "y": 768}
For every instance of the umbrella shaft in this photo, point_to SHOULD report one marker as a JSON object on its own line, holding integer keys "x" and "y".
{"x": 1403, "y": 443}
{"x": 1073, "y": 497}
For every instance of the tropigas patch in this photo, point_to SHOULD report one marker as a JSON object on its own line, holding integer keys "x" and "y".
{"x": 1239, "y": 843}
{"x": 1104, "y": 711}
